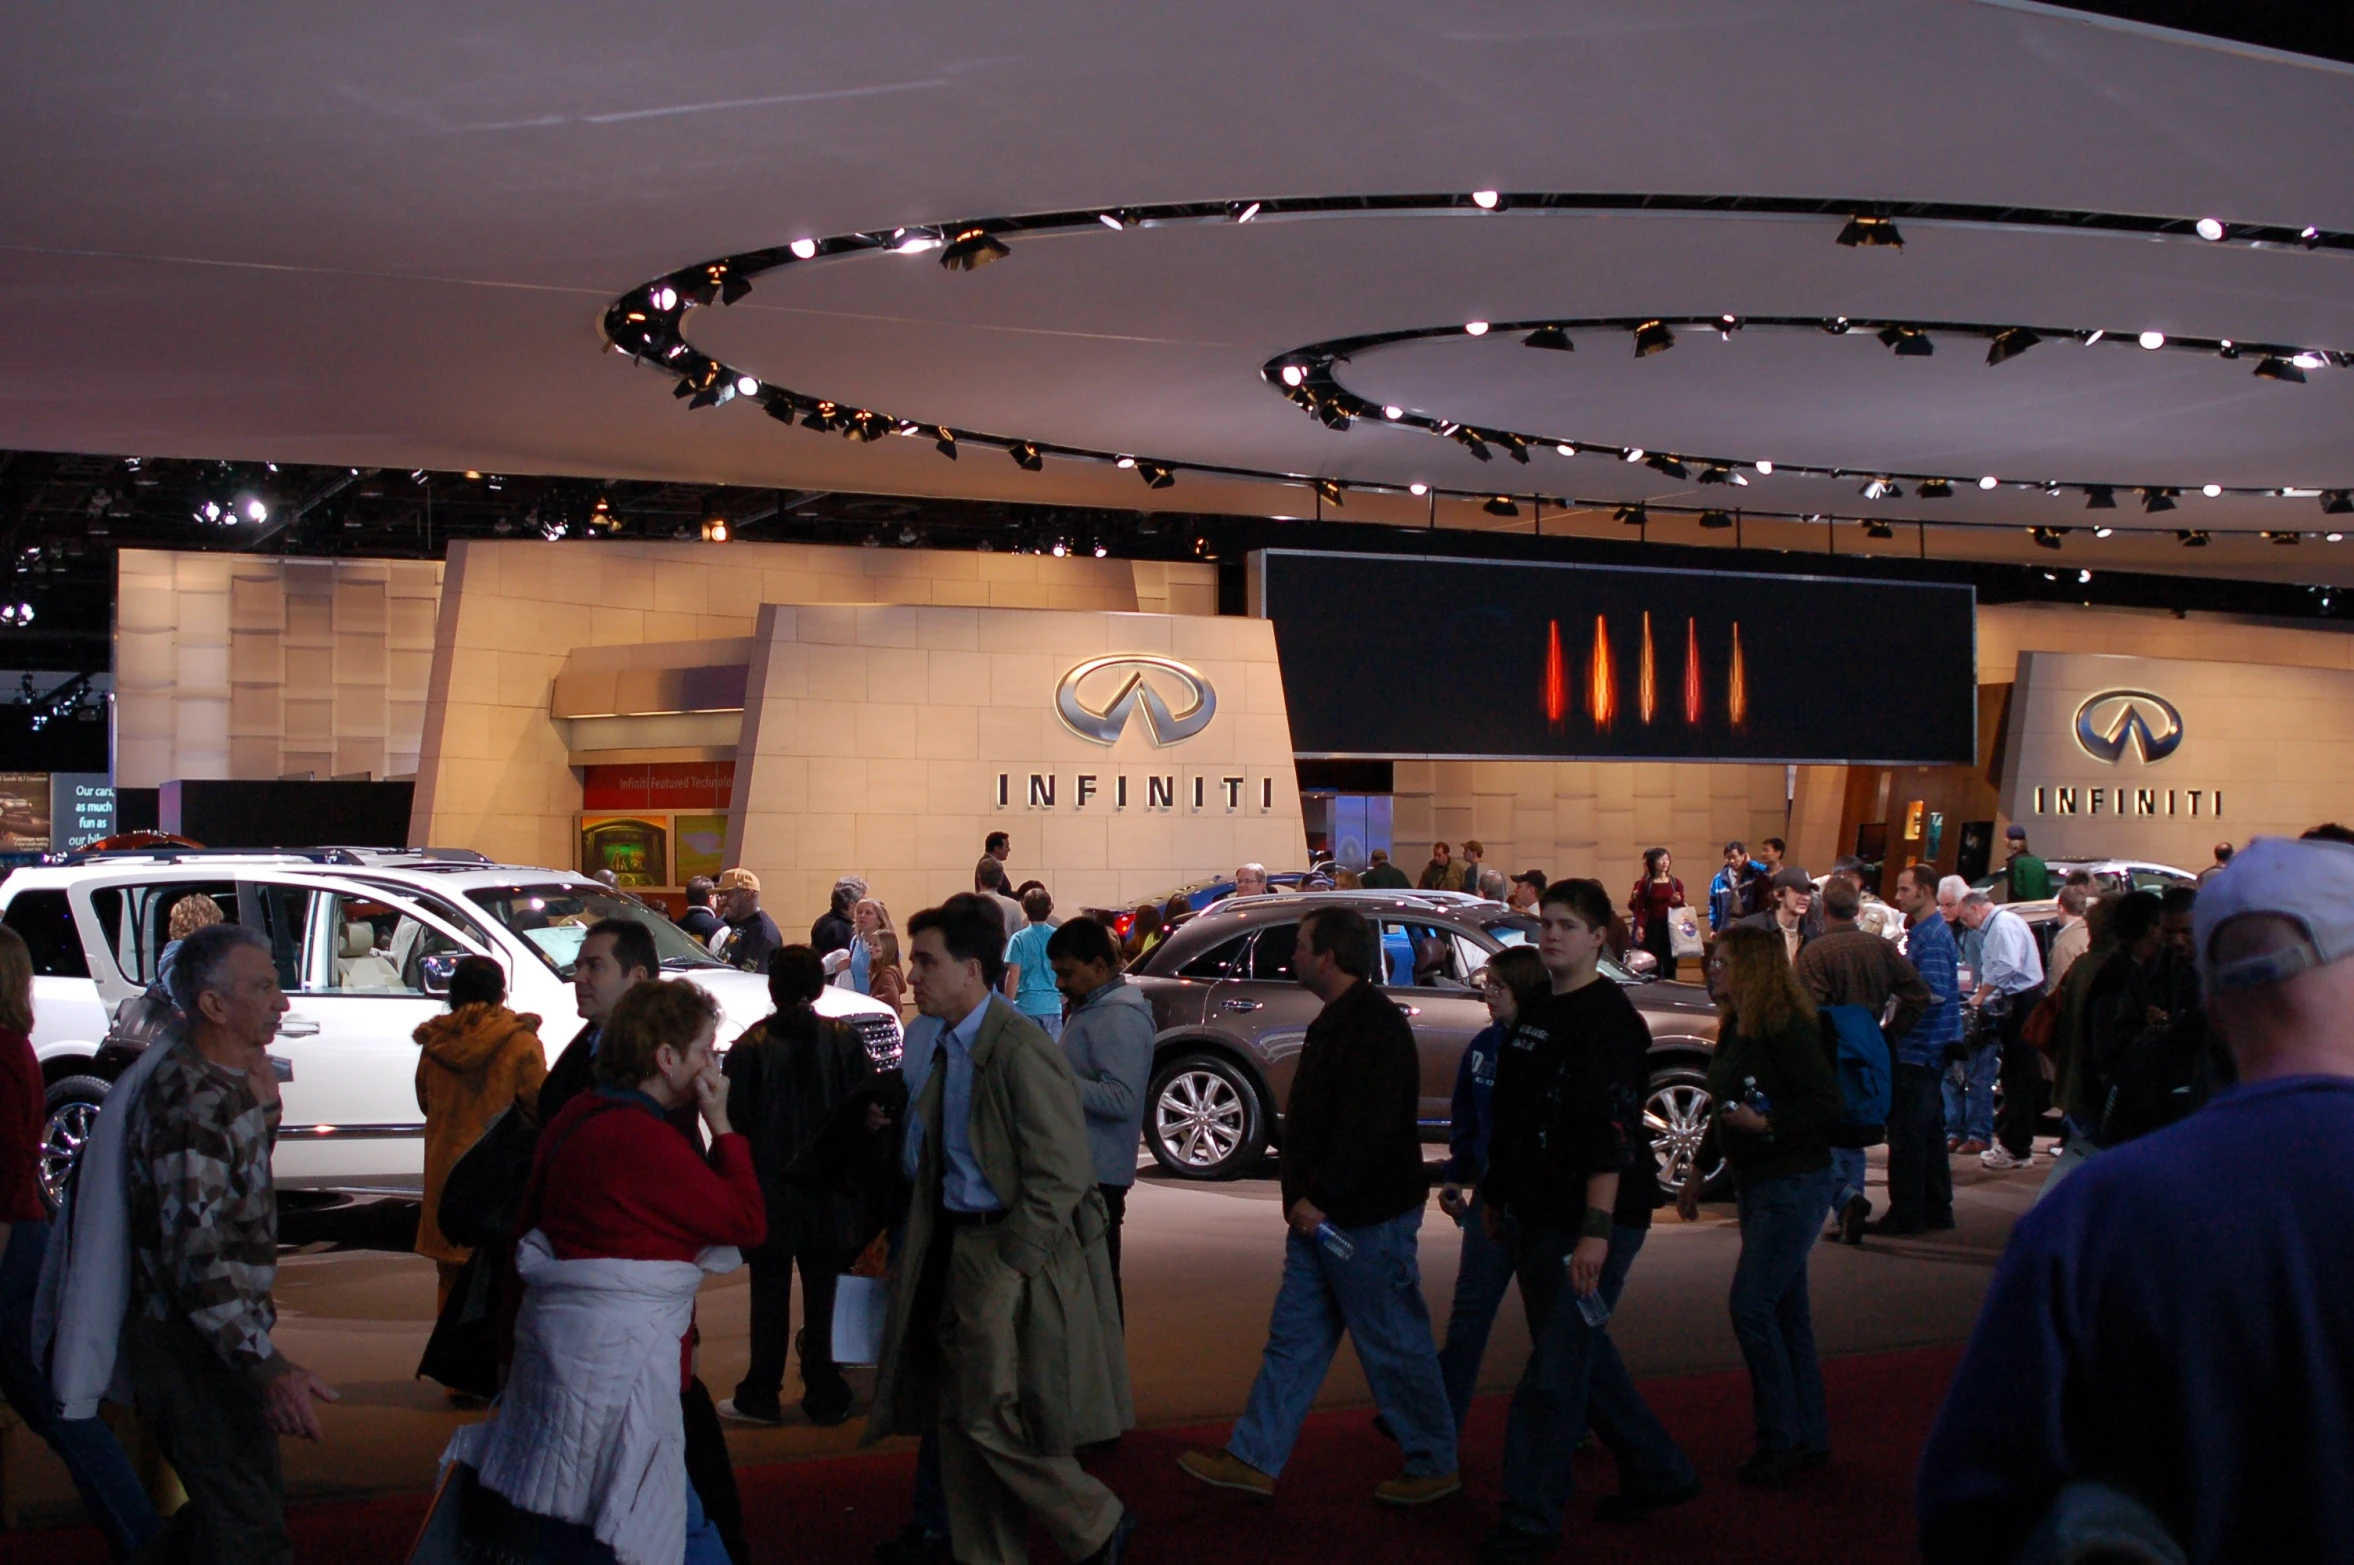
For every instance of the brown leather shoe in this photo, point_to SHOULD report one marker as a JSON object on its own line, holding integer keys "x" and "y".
{"x": 1970, "y": 1148}
{"x": 1409, "y": 1490}
{"x": 1225, "y": 1470}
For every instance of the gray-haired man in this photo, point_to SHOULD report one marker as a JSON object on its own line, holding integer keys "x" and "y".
{"x": 204, "y": 1253}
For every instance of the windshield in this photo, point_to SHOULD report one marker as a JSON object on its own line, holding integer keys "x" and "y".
{"x": 554, "y": 919}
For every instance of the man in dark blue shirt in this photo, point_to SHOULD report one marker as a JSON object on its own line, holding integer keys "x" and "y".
{"x": 2175, "y": 1324}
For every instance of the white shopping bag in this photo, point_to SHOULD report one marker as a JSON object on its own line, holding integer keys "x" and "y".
{"x": 1683, "y": 932}
{"x": 860, "y": 1303}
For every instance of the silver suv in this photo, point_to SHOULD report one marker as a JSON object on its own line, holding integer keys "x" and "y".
{"x": 1231, "y": 1017}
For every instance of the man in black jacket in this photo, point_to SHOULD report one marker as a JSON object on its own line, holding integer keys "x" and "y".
{"x": 1353, "y": 1193}
{"x": 785, "y": 1078}
{"x": 1569, "y": 1189}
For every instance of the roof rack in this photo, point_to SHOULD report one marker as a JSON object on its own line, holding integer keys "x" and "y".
{"x": 376, "y": 857}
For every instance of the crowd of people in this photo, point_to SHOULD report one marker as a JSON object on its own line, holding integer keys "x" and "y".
{"x": 2123, "y": 1382}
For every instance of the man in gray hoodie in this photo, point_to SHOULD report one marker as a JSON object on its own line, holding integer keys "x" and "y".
{"x": 1107, "y": 1037}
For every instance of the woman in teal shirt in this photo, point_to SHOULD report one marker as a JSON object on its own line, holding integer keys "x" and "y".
{"x": 1029, "y": 978}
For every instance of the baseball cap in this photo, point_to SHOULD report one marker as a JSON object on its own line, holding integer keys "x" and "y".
{"x": 1531, "y": 877}
{"x": 738, "y": 880}
{"x": 2016, "y": 834}
{"x": 2310, "y": 883}
{"x": 1791, "y": 878}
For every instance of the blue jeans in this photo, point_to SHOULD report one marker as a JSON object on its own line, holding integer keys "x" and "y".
{"x": 102, "y": 1475}
{"x": 1480, "y": 1280}
{"x": 1052, "y": 1020}
{"x": 1575, "y": 1380}
{"x": 1376, "y": 1297}
{"x": 1969, "y": 1111}
{"x": 1847, "y": 1166}
{"x": 1780, "y": 1220}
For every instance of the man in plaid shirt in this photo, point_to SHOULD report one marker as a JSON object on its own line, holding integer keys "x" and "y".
{"x": 204, "y": 1246}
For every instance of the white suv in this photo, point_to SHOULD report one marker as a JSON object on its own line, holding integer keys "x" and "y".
{"x": 365, "y": 943}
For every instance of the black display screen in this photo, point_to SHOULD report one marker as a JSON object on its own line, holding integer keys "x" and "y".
{"x": 1404, "y": 656}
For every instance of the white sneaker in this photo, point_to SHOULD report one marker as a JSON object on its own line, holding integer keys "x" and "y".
{"x": 1999, "y": 1158}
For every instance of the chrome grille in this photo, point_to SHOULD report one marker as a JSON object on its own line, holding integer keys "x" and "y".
{"x": 880, "y": 1034}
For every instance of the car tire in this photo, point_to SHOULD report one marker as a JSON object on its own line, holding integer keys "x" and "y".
{"x": 1203, "y": 1118}
{"x": 1679, "y": 1112}
{"x": 68, "y": 1114}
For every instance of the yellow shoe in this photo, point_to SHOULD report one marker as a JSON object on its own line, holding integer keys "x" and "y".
{"x": 1409, "y": 1490}
{"x": 1225, "y": 1470}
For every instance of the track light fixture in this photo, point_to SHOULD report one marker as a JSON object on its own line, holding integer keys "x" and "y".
{"x": 1933, "y": 489}
{"x": 803, "y": 249}
{"x": 2273, "y": 367}
{"x": 2100, "y": 497}
{"x": 1516, "y": 447}
{"x": 1720, "y": 474}
{"x": 1025, "y": 456}
{"x": 2008, "y": 345}
{"x": 2211, "y": 229}
{"x": 1662, "y": 462}
{"x": 1909, "y": 342}
{"x": 1715, "y": 521}
{"x": 1882, "y": 489}
{"x": 1241, "y": 211}
{"x": 2338, "y": 502}
{"x": 2283, "y": 537}
{"x": 1156, "y": 475}
{"x": 1329, "y": 491}
{"x": 1549, "y": 337}
{"x": 1500, "y": 505}
{"x": 1653, "y": 337}
{"x": 1469, "y": 439}
{"x": 970, "y": 249}
{"x": 1872, "y": 233}
{"x": 1631, "y": 515}
{"x": 944, "y": 441}
{"x": 2155, "y": 500}
{"x": 2211, "y": 491}
{"x": 2191, "y": 538}
{"x": 1113, "y": 220}
{"x": 1879, "y": 531}
{"x": 1487, "y": 200}
{"x": 2046, "y": 537}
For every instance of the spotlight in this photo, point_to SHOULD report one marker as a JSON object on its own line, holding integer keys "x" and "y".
{"x": 1837, "y": 326}
{"x": 664, "y": 298}
{"x": 971, "y": 249}
{"x": 2191, "y": 538}
{"x": 1329, "y": 490}
{"x": 1765, "y": 469}
{"x": 2152, "y": 340}
{"x": 1879, "y": 530}
{"x": 2093, "y": 336}
{"x": 1486, "y": 200}
{"x": 803, "y": 249}
{"x": 746, "y": 386}
{"x": 2210, "y": 229}
{"x": 906, "y": 243}
{"x": 1294, "y": 374}
{"x": 1988, "y": 482}
{"x": 2338, "y": 502}
{"x": 1726, "y": 325}
{"x": 1549, "y": 337}
{"x": 2010, "y": 344}
{"x": 1060, "y": 549}
{"x": 2103, "y": 531}
{"x": 733, "y": 287}
{"x": 1722, "y": 475}
{"x": 2282, "y": 537}
{"x": 2045, "y": 537}
{"x": 1026, "y": 456}
{"x": 2273, "y": 367}
{"x": 1566, "y": 449}
{"x": 2308, "y": 360}
{"x": 1516, "y": 447}
{"x": 2311, "y": 236}
{"x": 1631, "y": 515}
{"x": 1241, "y": 211}
{"x": 1500, "y": 505}
{"x": 1882, "y": 489}
{"x": 944, "y": 441}
{"x": 2333, "y": 537}
{"x": 1115, "y": 221}
{"x": 1909, "y": 342}
{"x": 2211, "y": 491}
{"x": 2227, "y": 349}
{"x": 1469, "y": 439}
{"x": 1101, "y": 551}
{"x": 1156, "y": 475}
{"x": 256, "y": 511}
{"x": 2155, "y": 500}
{"x": 2100, "y": 497}
{"x": 1475, "y": 328}
{"x": 1653, "y": 337}
{"x": 1662, "y": 462}
{"x": 1872, "y": 233}
{"x": 1632, "y": 454}
{"x": 1715, "y": 521}
{"x": 1418, "y": 490}
{"x": 715, "y": 530}
{"x": 1933, "y": 489}
{"x": 1124, "y": 463}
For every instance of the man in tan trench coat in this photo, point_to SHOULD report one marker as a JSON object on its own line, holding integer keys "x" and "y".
{"x": 1004, "y": 1331}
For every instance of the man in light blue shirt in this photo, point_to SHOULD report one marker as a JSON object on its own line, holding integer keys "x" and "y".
{"x": 964, "y": 1188}
{"x": 2010, "y": 977}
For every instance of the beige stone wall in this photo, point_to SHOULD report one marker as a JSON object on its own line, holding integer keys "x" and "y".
{"x": 1590, "y": 818}
{"x": 2006, "y": 630}
{"x": 260, "y": 666}
{"x": 495, "y": 774}
{"x": 873, "y": 740}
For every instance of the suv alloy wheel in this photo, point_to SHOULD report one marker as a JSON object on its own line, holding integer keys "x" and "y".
{"x": 1680, "y": 1115}
{"x": 1204, "y": 1119}
{"x": 71, "y": 1113}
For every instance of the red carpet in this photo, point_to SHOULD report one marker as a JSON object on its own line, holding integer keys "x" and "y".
{"x": 1857, "y": 1511}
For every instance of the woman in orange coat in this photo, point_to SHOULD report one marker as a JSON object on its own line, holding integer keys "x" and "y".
{"x": 476, "y": 1061}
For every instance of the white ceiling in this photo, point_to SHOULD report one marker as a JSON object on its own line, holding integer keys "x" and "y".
{"x": 383, "y": 236}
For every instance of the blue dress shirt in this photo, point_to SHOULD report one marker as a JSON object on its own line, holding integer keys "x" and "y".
{"x": 963, "y": 1186}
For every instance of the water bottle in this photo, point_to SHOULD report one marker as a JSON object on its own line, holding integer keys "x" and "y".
{"x": 1594, "y": 1308}
{"x": 1336, "y": 1244}
{"x": 1755, "y": 1097}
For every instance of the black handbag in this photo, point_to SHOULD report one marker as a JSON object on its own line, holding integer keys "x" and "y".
{"x": 478, "y": 1203}
{"x": 140, "y": 1022}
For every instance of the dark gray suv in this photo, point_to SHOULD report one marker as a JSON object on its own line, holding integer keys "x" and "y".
{"x": 1231, "y": 1018}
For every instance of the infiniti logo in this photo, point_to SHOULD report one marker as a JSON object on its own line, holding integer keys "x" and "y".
{"x": 1105, "y": 724}
{"x": 2111, "y": 720}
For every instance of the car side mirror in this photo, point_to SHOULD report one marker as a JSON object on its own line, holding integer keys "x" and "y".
{"x": 438, "y": 969}
{"x": 1642, "y": 964}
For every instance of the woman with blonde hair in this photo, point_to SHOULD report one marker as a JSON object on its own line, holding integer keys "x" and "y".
{"x": 887, "y": 978}
{"x": 853, "y": 967}
{"x": 1776, "y": 1099}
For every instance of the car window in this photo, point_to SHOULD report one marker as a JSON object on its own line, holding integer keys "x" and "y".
{"x": 1421, "y": 956}
{"x": 553, "y": 919}
{"x": 1217, "y": 962}
{"x": 1271, "y": 958}
{"x": 374, "y": 947}
{"x": 283, "y": 914}
{"x": 1515, "y": 931}
{"x": 135, "y": 921}
{"x": 46, "y": 922}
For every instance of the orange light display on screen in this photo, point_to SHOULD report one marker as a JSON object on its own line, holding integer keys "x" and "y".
{"x": 1647, "y": 676}
{"x": 1602, "y": 678}
{"x": 1692, "y": 673}
{"x": 1556, "y": 677}
{"x": 1737, "y": 684}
